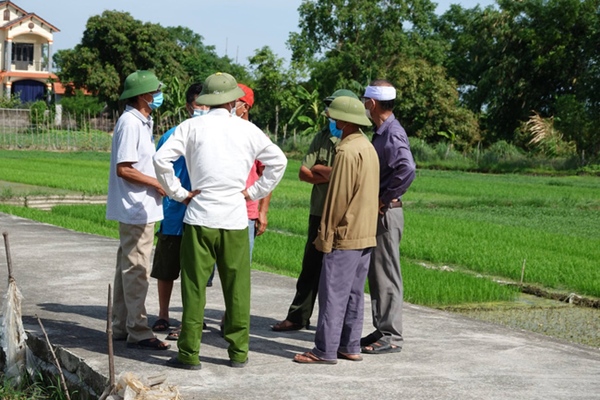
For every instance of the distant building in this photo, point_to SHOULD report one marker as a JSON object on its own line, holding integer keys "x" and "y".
{"x": 26, "y": 53}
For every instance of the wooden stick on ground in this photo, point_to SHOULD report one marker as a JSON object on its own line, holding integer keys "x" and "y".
{"x": 62, "y": 377}
{"x": 109, "y": 334}
{"x": 111, "y": 356}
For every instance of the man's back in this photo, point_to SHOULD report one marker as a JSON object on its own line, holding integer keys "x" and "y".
{"x": 220, "y": 150}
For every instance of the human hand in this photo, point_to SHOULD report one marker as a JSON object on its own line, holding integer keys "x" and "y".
{"x": 261, "y": 224}
{"x": 160, "y": 190}
{"x": 191, "y": 195}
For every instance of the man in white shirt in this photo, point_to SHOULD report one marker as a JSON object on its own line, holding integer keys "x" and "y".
{"x": 220, "y": 149}
{"x": 135, "y": 200}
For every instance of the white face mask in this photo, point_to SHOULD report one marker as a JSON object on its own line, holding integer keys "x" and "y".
{"x": 198, "y": 112}
{"x": 233, "y": 110}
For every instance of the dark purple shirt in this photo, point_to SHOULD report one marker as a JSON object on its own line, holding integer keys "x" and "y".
{"x": 396, "y": 163}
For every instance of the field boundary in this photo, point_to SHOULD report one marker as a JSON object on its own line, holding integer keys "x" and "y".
{"x": 47, "y": 202}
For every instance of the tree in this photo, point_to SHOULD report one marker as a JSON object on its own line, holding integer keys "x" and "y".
{"x": 528, "y": 56}
{"x": 274, "y": 100}
{"x": 200, "y": 60}
{"x": 348, "y": 43}
{"x": 309, "y": 112}
{"x": 115, "y": 44}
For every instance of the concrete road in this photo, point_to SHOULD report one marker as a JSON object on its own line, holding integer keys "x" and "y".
{"x": 64, "y": 277}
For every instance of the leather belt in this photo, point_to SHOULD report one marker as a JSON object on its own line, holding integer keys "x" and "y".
{"x": 395, "y": 204}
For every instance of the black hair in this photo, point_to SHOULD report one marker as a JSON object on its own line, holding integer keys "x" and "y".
{"x": 193, "y": 91}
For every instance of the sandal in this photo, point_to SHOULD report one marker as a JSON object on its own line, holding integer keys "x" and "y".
{"x": 349, "y": 357}
{"x": 380, "y": 347}
{"x": 371, "y": 338}
{"x": 174, "y": 334}
{"x": 149, "y": 344}
{"x": 160, "y": 325}
{"x": 310, "y": 358}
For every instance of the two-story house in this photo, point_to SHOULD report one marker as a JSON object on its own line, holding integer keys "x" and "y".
{"x": 26, "y": 53}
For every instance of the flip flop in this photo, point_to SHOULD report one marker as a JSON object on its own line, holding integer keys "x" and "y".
{"x": 160, "y": 325}
{"x": 349, "y": 357}
{"x": 310, "y": 358}
{"x": 380, "y": 347}
{"x": 149, "y": 344}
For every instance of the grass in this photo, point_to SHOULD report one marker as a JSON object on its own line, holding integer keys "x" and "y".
{"x": 491, "y": 223}
{"x": 37, "y": 388}
{"x": 480, "y": 225}
{"x": 79, "y": 172}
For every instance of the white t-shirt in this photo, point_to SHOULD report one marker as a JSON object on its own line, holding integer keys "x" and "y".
{"x": 128, "y": 202}
{"x": 219, "y": 150}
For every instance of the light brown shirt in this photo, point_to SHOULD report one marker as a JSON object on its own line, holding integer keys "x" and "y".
{"x": 349, "y": 220}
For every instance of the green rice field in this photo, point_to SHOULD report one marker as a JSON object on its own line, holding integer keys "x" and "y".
{"x": 464, "y": 232}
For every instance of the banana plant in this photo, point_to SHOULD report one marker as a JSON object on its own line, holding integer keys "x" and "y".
{"x": 308, "y": 113}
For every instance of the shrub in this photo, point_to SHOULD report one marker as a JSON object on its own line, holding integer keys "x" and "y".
{"x": 500, "y": 153}
{"x": 421, "y": 151}
{"x": 37, "y": 112}
{"x": 10, "y": 101}
{"x": 82, "y": 107}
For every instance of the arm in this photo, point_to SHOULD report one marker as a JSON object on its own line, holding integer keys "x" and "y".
{"x": 315, "y": 175}
{"x": 263, "y": 208}
{"x": 163, "y": 165}
{"x": 275, "y": 162}
{"x": 339, "y": 195}
{"x": 400, "y": 159}
{"x": 126, "y": 171}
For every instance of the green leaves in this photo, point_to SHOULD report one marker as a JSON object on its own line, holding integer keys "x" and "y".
{"x": 525, "y": 56}
{"x": 114, "y": 44}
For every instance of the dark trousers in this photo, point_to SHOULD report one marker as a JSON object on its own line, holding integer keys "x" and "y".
{"x": 308, "y": 282}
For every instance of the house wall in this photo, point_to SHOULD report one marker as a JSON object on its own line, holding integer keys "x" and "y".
{"x": 32, "y": 30}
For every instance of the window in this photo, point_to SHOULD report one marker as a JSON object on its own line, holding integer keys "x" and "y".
{"x": 22, "y": 52}
{"x": 7, "y": 15}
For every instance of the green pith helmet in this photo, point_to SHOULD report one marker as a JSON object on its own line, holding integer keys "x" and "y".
{"x": 219, "y": 88}
{"x": 347, "y": 109}
{"x": 140, "y": 82}
{"x": 338, "y": 93}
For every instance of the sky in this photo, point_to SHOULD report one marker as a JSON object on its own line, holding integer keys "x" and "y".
{"x": 235, "y": 28}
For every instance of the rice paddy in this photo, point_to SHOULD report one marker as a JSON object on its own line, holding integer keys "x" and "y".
{"x": 464, "y": 232}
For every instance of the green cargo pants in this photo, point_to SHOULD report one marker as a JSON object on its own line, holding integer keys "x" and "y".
{"x": 201, "y": 247}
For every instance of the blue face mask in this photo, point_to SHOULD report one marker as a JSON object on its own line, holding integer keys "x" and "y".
{"x": 157, "y": 100}
{"x": 199, "y": 112}
{"x": 334, "y": 129}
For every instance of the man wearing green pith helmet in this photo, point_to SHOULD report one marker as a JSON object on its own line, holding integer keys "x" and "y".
{"x": 135, "y": 201}
{"x": 219, "y": 149}
{"x": 346, "y": 237}
{"x": 316, "y": 170}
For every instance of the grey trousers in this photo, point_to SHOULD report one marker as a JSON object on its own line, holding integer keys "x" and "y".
{"x": 385, "y": 277}
{"x": 341, "y": 302}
